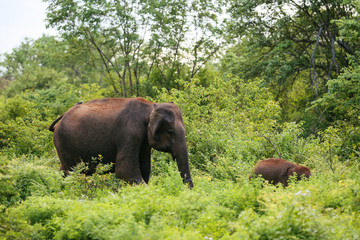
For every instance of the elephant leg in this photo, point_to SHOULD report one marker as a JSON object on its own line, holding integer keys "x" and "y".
{"x": 67, "y": 162}
{"x": 64, "y": 169}
{"x": 285, "y": 182}
{"x": 145, "y": 162}
{"x": 127, "y": 167}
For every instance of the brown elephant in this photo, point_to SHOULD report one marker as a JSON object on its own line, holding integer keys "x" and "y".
{"x": 123, "y": 131}
{"x": 277, "y": 170}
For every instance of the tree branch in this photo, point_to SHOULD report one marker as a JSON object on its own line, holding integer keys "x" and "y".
{"x": 313, "y": 59}
{"x": 268, "y": 139}
{"x": 333, "y": 53}
{"x": 102, "y": 55}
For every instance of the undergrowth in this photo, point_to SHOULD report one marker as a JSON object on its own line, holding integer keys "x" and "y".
{"x": 230, "y": 125}
{"x": 53, "y": 207}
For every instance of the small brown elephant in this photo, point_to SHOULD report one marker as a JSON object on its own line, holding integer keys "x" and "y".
{"x": 123, "y": 131}
{"x": 277, "y": 170}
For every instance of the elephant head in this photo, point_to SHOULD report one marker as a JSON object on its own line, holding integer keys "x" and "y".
{"x": 166, "y": 132}
{"x": 300, "y": 172}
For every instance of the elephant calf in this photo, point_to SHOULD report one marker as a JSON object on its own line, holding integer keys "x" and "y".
{"x": 123, "y": 131}
{"x": 277, "y": 170}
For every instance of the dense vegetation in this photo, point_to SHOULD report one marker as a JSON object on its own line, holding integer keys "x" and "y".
{"x": 254, "y": 79}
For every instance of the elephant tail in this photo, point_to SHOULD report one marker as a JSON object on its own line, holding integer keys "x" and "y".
{"x": 51, "y": 128}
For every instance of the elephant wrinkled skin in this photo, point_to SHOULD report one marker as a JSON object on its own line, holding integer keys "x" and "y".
{"x": 123, "y": 131}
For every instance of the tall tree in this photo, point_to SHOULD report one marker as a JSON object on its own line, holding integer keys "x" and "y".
{"x": 342, "y": 102}
{"x": 185, "y": 34}
{"x": 113, "y": 30}
{"x": 134, "y": 38}
{"x": 289, "y": 43}
{"x": 43, "y": 62}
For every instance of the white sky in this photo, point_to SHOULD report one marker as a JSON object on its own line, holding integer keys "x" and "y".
{"x": 20, "y": 19}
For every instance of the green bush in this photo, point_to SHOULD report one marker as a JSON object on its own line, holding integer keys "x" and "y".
{"x": 221, "y": 119}
{"x": 25, "y": 118}
{"x": 8, "y": 192}
{"x": 34, "y": 179}
{"x": 35, "y": 77}
{"x": 88, "y": 186}
{"x": 13, "y": 226}
{"x": 216, "y": 209}
{"x": 228, "y": 129}
{"x": 232, "y": 124}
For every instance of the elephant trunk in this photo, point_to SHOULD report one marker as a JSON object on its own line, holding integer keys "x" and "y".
{"x": 182, "y": 160}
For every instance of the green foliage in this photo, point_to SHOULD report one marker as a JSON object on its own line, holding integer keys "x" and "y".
{"x": 35, "y": 77}
{"x": 228, "y": 129}
{"x": 80, "y": 184}
{"x": 134, "y": 41}
{"x": 8, "y": 191}
{"x": 33, "y": 176}
{"x": 267, "y": 110}
{"x": 320, "y": 208}
{"x": 25, "y": 118}
{"x": 14, "y": 227}
{"x": 296, "y": 47}
{"x": 342, "y": 110}
{"x": 21, "y": 130}
{"x": 228, "y": 123}
{"x": 45, "y": 62}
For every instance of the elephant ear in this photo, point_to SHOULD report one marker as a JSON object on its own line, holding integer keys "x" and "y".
{"x": 288, "y": 172}
{"x": 158, "y": 118}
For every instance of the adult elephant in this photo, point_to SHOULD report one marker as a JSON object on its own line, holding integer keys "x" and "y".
{"x": 123, "y": 131}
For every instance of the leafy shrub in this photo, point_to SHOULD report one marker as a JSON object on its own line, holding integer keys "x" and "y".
{"x": 97, "y": 207}
{"x": 88, "y": 186}
{"x": 20, "y": 179}
{"x": 8, "y": 192}
{"x": 25, "y": 118}
{"x": 342, "y": 105}
{"x": 214, "y": 209}
{"x": 231, "y": 124}
{"x": 35, "y": 77}
{"x": 13, "y": 226}
{"x": 21, "y": 129}
{"x": 221, "y": 118}
{"x": 228, "y": 129}
{"x": 33, "y": 179}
